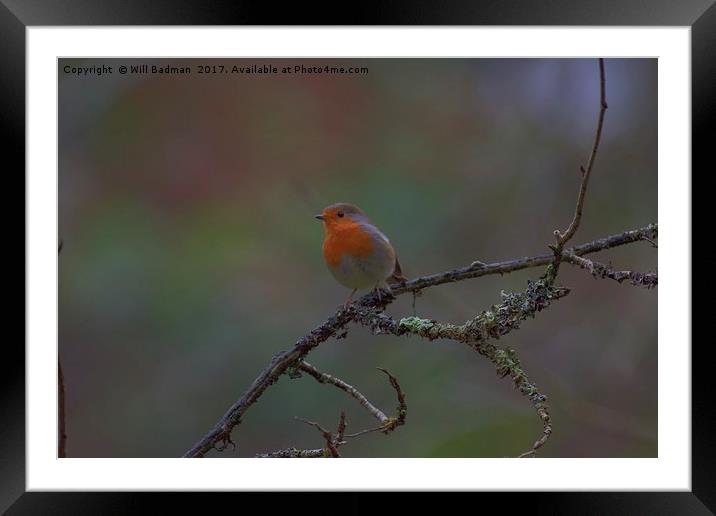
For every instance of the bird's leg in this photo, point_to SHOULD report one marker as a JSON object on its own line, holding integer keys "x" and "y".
{"x": 348, "y": 301}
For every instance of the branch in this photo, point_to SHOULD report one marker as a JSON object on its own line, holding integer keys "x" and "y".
{"x": 331, "y": 444}
{"x": 488, "y": 324}
{"x": 352, "y": 391}
{"x": 479, "y": 332}
{"x": 387, "y": 424}
{"x": 62, "y": 444}
{"x": 293, "y": 453}
{"x": 220, "y": 435}
{"x": 479, "y": 269}
{"x": 392, "y": 422}
{"x": 599, "y": 270}
{"x": 562, "y": 238}
{"x": 331, "y": 449}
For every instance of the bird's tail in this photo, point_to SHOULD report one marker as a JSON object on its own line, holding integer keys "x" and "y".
{"x": 397, "y": 275}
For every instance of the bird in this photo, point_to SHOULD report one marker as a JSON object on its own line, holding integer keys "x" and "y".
{"x": 356, "y": 252}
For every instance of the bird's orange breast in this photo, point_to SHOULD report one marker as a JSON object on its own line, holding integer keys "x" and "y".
{"x": 349, "y": 238}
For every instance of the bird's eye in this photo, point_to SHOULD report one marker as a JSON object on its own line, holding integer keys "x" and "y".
{"x": 340, "y": 214}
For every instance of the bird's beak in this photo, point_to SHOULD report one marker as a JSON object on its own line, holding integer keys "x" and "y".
{"x": 319, "y": 217}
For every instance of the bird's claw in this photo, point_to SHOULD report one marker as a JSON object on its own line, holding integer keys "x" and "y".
{"x": 382, "y": 295}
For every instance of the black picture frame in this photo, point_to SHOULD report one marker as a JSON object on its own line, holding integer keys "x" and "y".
{"x": 17, "y": 15}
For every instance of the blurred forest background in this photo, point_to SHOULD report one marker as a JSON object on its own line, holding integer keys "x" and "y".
{"x": 191, "y": 255}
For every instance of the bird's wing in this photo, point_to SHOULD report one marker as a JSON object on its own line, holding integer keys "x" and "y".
{"x": 397, "y": 275}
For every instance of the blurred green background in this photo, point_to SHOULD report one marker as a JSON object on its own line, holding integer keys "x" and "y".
{"x": 191, "y": 256}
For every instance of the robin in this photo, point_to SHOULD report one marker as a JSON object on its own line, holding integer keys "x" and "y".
{"x": 357, "y": 253}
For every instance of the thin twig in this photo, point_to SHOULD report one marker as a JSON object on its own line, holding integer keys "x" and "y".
{"x": 563, "y": 238}
{"x": 402, "y": 406}
{"x": 366, "y": 431}
{"x": 599, "y": 270}
{"x": 653, "y": 244}
{"x": 392, "y": 422}
{"x": 387, "y": 424}
{"x": 219, "y": 435}
{"x": 62, "y": 446}
{"x": 352, "y": 391}
{"x": 341, "y": 431}
{"x": 328, "y": 436}
{"x": 62, "y": 441}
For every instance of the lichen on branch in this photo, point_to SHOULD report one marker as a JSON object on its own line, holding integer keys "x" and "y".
{"x": 599, "y": 270}
{"x": 494, "y": 323}
{"x": 481, "y": 331}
